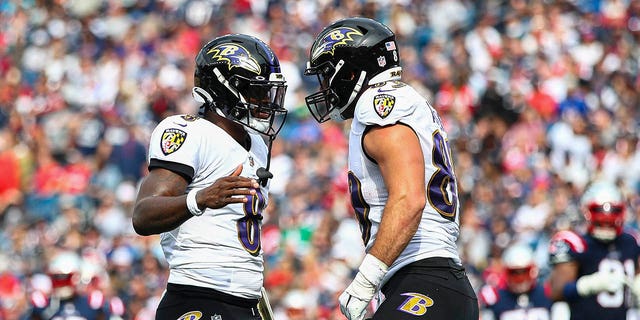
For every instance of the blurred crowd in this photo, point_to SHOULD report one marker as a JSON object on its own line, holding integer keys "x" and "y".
{"x": 539, "y": 98}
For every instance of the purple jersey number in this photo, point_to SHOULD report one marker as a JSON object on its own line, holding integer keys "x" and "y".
{"x": 360, "y": 207}
{"x": 441, "y": 189}
{"x": 249, "y": 225}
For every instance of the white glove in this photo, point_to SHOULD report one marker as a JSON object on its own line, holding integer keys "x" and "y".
{"x": 598, "y": 282}
{"x": 355, "y": 299}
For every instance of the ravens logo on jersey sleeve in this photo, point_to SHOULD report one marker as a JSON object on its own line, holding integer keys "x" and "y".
{"x": 172, "y": 140}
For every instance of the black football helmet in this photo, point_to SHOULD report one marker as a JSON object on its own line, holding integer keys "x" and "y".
{"x": 345, "y": 57}
{"x": 239, "y": 78}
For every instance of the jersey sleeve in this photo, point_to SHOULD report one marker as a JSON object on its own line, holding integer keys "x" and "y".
{"x": 384, "y": 106}
{"x": 174, "y": 145}
{"x": 566, "y": 246}
{"x": 634, "y": 241}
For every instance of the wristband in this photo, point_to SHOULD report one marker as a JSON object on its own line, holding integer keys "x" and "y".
{"x": 373, "y": 269}
{"x": 570, "y": 291}
{"x": 192, "y": 204}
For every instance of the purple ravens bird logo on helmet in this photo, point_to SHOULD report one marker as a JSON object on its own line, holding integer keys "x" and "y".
{"x": 334, "y": 38}
{"x": 235, "y": 56}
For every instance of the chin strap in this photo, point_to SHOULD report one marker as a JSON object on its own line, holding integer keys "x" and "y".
{"x": 206, "y": 100}
{"x": 263, "y": 173}
{"x": 356, "y": 88}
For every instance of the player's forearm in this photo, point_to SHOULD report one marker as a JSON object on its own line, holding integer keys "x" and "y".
{"x": 399, "y": 223}
{"x": 562, "y": 281}
{"x": 157, "y": 214}
{"x": 556, "y": 293}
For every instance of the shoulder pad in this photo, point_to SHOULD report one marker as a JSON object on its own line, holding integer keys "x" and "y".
{"x": 564, "y": 246}
{"x": 488, "y": 295}
{"x": 574, "y": 240}
{"x": 385, "y": 105}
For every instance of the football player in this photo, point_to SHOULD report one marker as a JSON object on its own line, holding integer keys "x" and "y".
{"x": 66, "y": 300}
{"x": 401, "y": 178}
{"x": 589, "y": 269}
{"x": 207, "y": 185}
{"x": 522, "y": 297}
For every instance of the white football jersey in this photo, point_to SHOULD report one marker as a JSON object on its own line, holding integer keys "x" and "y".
{"x": 395, "y": 102}
{"x": 221, "y": 248}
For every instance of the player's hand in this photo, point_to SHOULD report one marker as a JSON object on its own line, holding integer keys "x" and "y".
{"x": 598, "y": 282}
{"x": 226, "y": 190}
{"x": 355, "y": 299}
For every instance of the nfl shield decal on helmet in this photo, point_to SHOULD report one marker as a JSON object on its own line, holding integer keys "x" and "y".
{"x": 172, "y": 140}
{"x": 383, "y": 104}
{"x": 382, "y": 61}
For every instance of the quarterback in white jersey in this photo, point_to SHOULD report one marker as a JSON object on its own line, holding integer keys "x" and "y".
{"x": 207, "y": 185}
{"x": 224, "y": 244}
{"x": 401, "y": 177}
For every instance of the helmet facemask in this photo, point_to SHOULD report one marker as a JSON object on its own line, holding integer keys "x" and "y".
{"x": 257, "y": 102}
{"x": 521, "y": 280}
{"x": 605, "y": 220}
{"x": 520, "y": 269}
{"x": 604, "y": 209}
{"x": 259, "y": 105}
{"x": 338, "y": 90}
